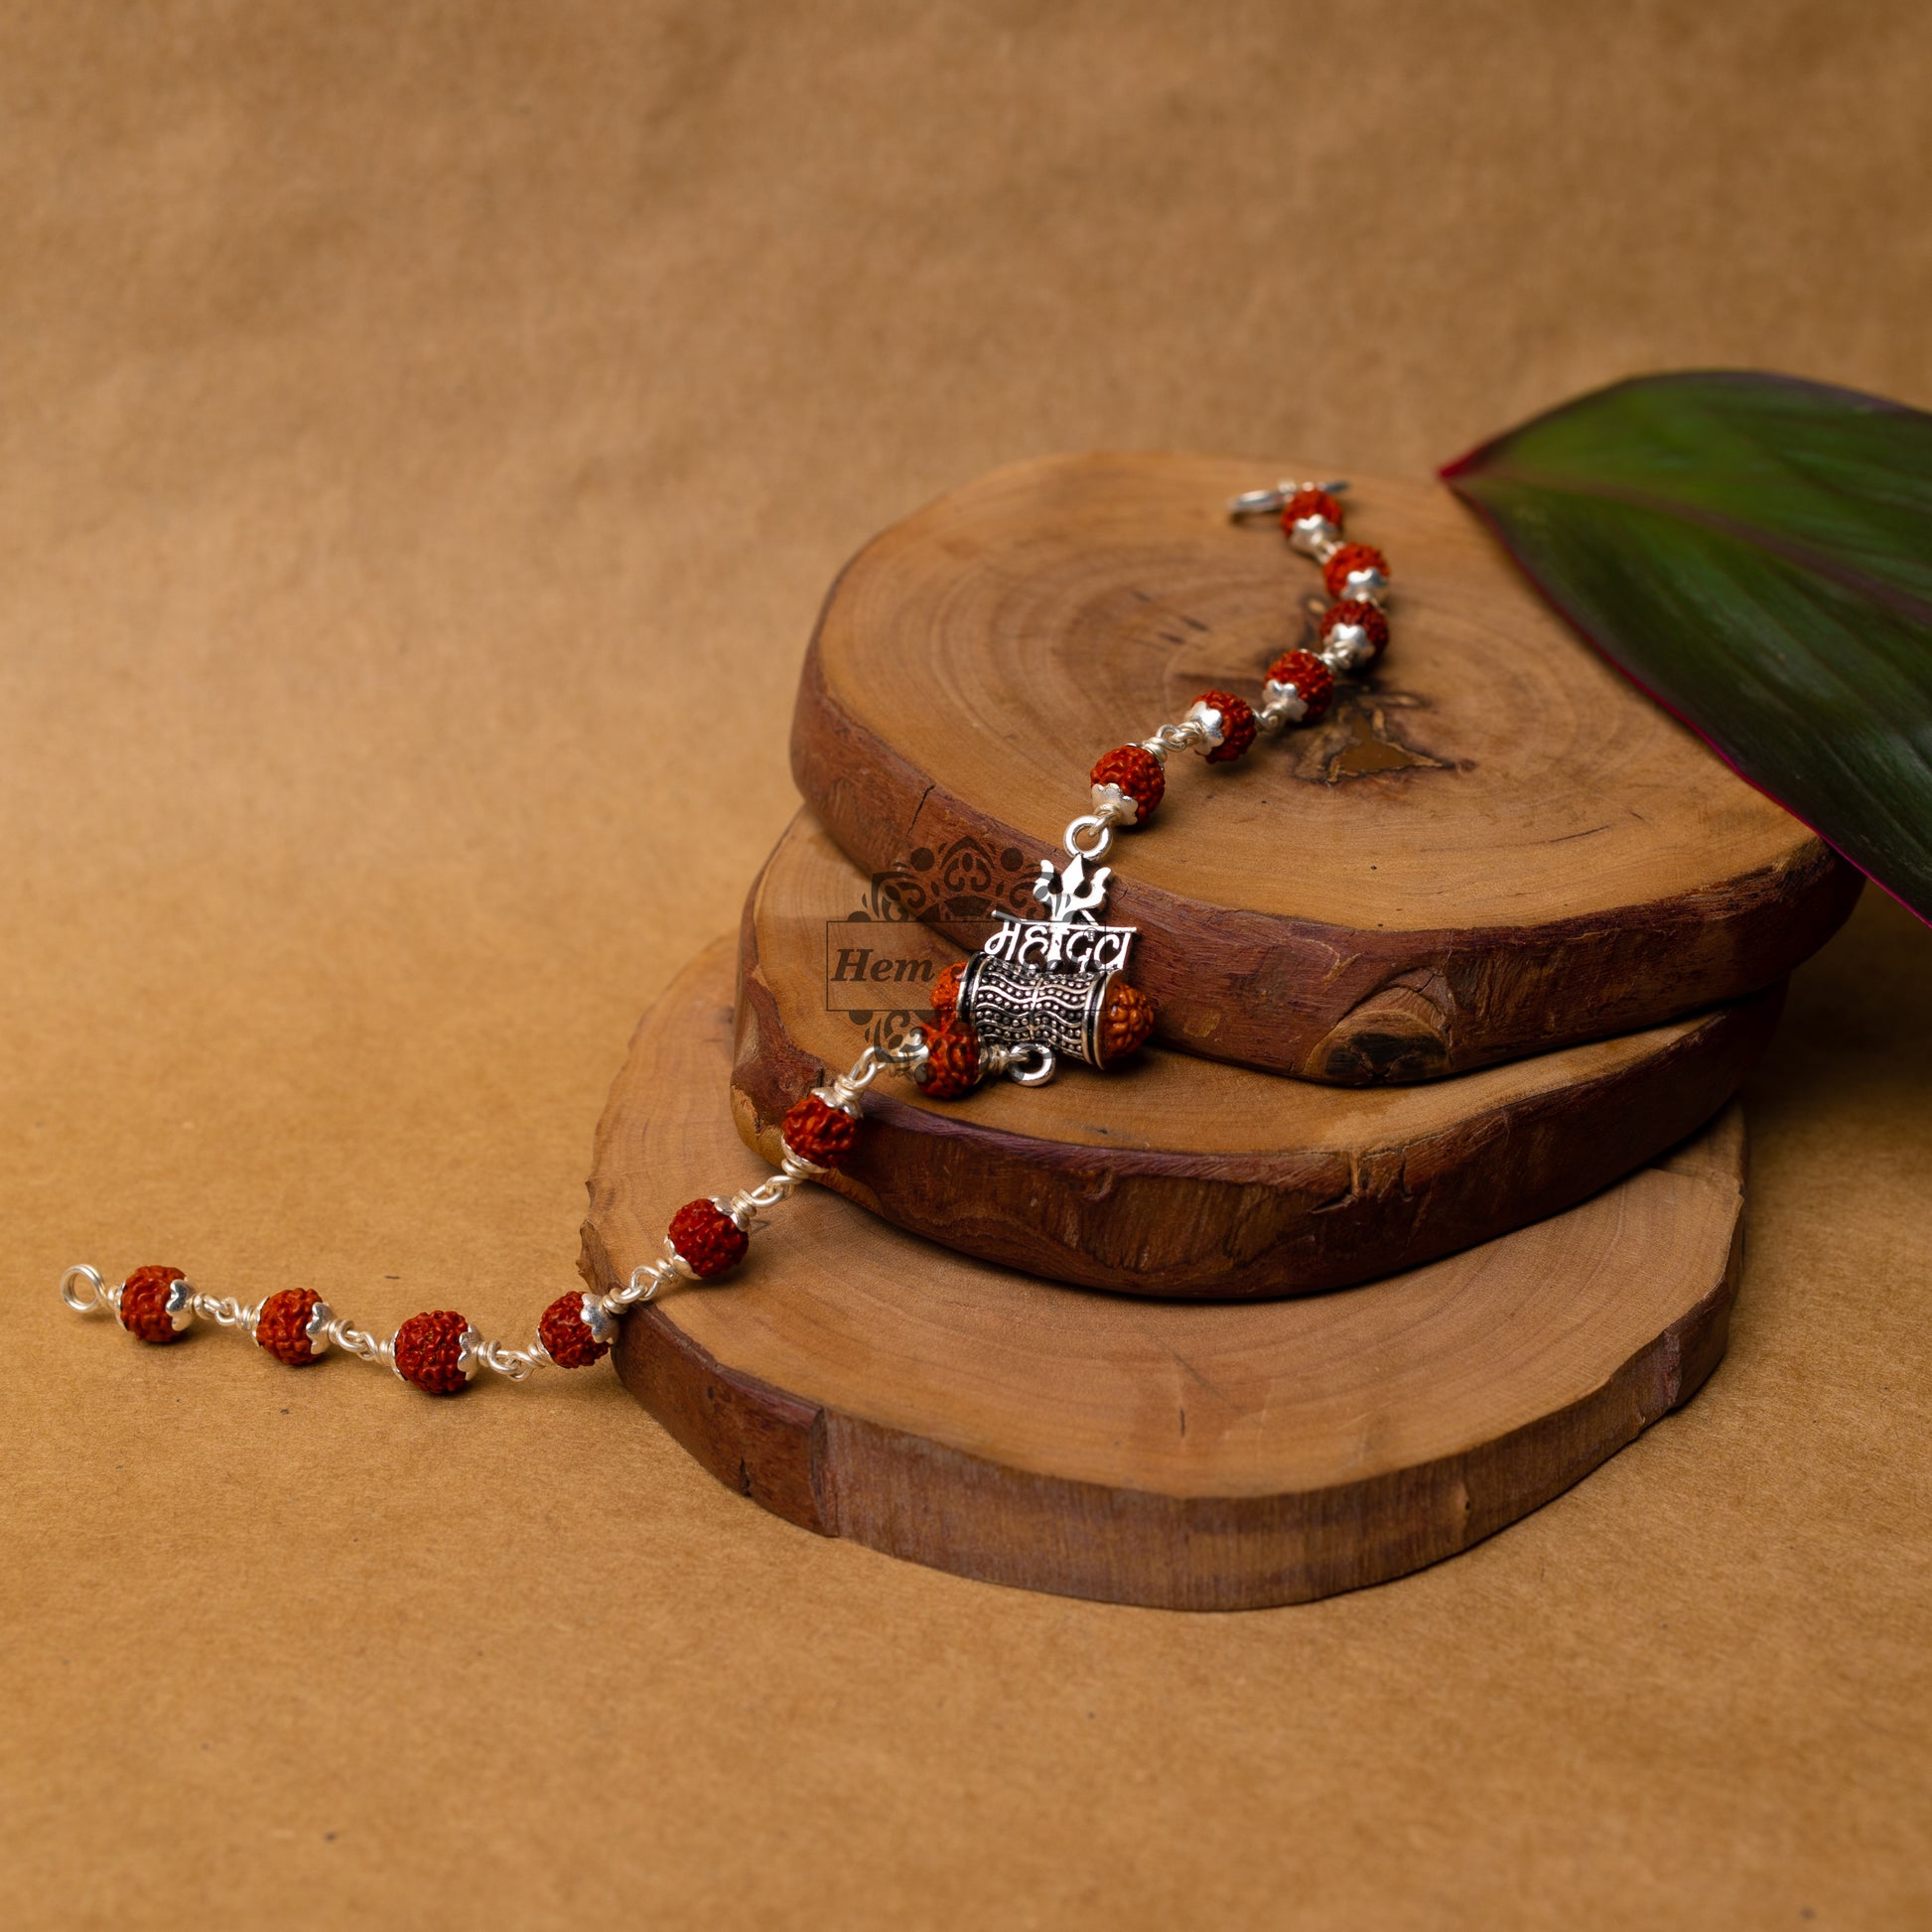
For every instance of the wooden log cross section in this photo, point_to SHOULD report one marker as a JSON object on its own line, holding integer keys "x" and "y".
{"x": 1494, "y": 846}
{"x": 1177, "y": 1177}
{"x": 860, "y": 1382}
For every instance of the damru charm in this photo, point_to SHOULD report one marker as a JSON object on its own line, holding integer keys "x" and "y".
{"x": 1044, "y": 984}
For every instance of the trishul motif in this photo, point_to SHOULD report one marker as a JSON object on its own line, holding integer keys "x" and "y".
{"x": 1070, "y": 895}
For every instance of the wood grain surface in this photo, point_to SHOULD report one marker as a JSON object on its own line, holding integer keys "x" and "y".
{"x": 1494, "y": 846}
{"x": 1172, "y": 1175}
{"x": 867, "y": 1384}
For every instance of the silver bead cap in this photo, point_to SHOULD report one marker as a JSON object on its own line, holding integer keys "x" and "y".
{"x": 1282, "y": 704}
{"x": 1313, "y": 536}
{"x": 1211, "y": 722}
{"x": 180, "y": 1303}
{"x": 1347, "y": 649}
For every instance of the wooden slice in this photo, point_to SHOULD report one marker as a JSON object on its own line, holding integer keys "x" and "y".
{"x": 1179, "y": 1177}
{"x": 1495, "y": 848}
{"x": 864, "y": 1383}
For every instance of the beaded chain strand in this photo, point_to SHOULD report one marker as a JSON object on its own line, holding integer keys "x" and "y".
{"x": 439, "y": 1352}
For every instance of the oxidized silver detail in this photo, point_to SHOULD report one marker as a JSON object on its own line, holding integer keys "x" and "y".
{"x": 1016, "y": 1006}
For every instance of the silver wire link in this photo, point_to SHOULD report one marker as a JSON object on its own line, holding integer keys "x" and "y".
{"x": 359, "y": 1342}
{"x": 844, "y": 1089}
{"x": 1186, "y": 736}
{"x": 225, "y": 1312}
{"x": 647, "y": 1279}
{"x": 518, "y": 1364}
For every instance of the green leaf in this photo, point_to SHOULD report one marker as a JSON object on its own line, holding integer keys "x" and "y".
{"x": 1756, "y": 553}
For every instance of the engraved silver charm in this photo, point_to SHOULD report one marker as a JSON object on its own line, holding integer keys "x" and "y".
{"x": 1071, "y": 939}
{"x": 1042, "y": 984}
{"x": 1019, "y": 1006}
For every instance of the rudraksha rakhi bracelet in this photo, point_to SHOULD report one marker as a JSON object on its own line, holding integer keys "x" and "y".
{"x": 1036, "y": 993}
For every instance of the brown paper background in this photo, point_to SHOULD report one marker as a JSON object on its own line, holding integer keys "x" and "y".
{"x": 425, "y": 435}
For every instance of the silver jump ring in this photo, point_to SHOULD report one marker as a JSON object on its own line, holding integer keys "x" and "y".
{"x": 1044, "y": 1065}
{"x": 1103, "y": 836}
{"x": 97, "y": 1289}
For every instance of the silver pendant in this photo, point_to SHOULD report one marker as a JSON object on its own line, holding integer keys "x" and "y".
{"x": 1041, "y": 986}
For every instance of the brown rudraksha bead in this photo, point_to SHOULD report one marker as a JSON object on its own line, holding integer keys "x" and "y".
{"x": 1350, "y": 557}
{"x": 1126, "y": 1020}
{"x": 429, "y": 1351}
{"x": 282, "y": 1327}
{"x": 566, "y": 1335}
{"x": 1314, "y": 682}
{"x": 1137, "y": 771}
{"x": 144, "y": 1304}
{"x": 1237, "y": 726}
{"x": 1375, "y": 626}
{"x": 1310, "y": 503}
{"x": 821, "y": 1134}
{"x": 953, "y": 1060}
{"x": 710, "y": 1241}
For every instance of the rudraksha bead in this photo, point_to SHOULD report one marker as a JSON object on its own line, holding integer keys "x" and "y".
{"x": 282, "y": 1327}
{"x": 1237, "y": 726}
{"x": 952, "y": 1060}
{"x": 710, "y": 1241}
{"x": 567, "y": 1336}
{"x": 1310, "y": 503}
{"x": 945, "y": 990}
{"x": 429, "y": 1351}
{"x": 821, "y": 1134}
{"x": 1137, "y": 771}
{"x": 1314, "y": 682}
{"x": 1126, "y": 1020}
{"x": 144, "y": 1304}
{"x": 1368, "y": 617}
{"x": 1349, "y": 558}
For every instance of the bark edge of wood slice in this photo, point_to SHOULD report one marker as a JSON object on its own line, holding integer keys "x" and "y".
{"x": 859, "y": 1381}
{"x": 1494, "y": 846}
{"x": 1177, "y": 1177}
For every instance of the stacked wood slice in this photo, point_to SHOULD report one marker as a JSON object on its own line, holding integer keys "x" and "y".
{"x": 1452, "y": 990}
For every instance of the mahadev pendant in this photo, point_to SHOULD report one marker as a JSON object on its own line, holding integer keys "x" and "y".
{"x": 1054, "y": 989}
